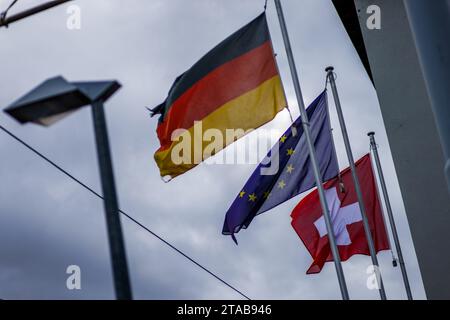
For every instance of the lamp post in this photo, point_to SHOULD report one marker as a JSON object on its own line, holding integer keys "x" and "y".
{"x": 51, "y": 101}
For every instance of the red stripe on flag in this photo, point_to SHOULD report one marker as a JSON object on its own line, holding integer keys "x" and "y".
{"x": 225, "y": 83}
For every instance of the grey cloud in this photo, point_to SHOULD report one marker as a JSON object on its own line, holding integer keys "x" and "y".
{"x": 47, "y": 222}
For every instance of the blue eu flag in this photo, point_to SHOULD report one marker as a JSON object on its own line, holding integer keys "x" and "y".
{"x": 287, "y": 169}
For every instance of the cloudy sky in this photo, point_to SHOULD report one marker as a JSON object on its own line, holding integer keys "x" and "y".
{"x": 47, "y": 222}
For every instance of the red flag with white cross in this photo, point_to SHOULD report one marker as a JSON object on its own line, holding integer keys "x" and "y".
{"x": 309, "y": 223}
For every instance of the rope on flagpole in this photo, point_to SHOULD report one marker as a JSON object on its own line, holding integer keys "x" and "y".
{"x": 328, "y": 81}
{"x": 394, "y": 258}
{"x": 373, "y": 254}
{"x": 382, "y": 184}
{"x": 65, "y": 172}
{"x": 341, "y": 181}
{"x": 290, "y": 114}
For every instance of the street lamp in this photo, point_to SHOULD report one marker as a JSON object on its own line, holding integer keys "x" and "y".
{"x": 51, "y": 101}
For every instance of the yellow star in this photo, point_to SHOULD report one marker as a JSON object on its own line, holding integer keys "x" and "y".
{"x": 290, "y": 152}
{"x": 283, "y": 139}
{"x": 241, "y": 194}
{"x": 266, "y": 194}
{"x": 281, "y": 184}
{"x": 290, "y": 168}
{"x": 252, "y": 197}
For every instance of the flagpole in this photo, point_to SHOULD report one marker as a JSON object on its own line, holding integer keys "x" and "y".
{"x": 374, "y": 148}
{"x": 373, "y": 253}
{"x": 312, "y": 152}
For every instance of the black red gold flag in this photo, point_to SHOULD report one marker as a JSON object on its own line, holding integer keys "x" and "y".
{"x": 236, "y": 85}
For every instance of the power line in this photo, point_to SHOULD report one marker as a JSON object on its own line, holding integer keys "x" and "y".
{"x": 122, "y": 212}
{"x": 4, "y": 13}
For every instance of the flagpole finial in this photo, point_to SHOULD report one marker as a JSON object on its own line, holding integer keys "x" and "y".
{"x": 330, "y": 68}
{"x": 371, "y": 133}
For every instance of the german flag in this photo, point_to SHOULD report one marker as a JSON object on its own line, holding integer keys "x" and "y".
{"x": 234, "y": 86}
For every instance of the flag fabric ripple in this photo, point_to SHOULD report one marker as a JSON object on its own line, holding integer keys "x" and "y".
{"x": 265, "y": 190}
{"x": 308, "y": 221}
{"x": 236, "y": 85}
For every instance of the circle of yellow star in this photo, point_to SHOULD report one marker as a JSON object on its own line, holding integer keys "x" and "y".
{"x": 290, "y": 168}
{"x": 266, "y": 194}
{"x": 290, "y": 152}
{"x": 241, "y": 194}
{"x": 281, "y": 184}
{"x": 252, "y": 197}
{"x": 283, "y": 139}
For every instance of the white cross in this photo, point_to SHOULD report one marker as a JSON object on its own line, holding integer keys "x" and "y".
{"x": 340, "y": 217}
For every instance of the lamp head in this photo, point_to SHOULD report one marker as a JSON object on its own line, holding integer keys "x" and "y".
{"x": 56, "y": 98}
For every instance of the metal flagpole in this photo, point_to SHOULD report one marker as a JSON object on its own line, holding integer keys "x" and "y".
{"x": 116, "y": 243}
{"x": 374, "y": 148}
{"x": 312, "y": 152}
{"x": 373, "y": 254}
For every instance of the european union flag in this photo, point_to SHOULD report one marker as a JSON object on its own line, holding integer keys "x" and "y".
{"x": 287, "y": 169}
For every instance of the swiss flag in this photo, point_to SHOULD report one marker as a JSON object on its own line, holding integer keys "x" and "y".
{"x": 308, "y": 221}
